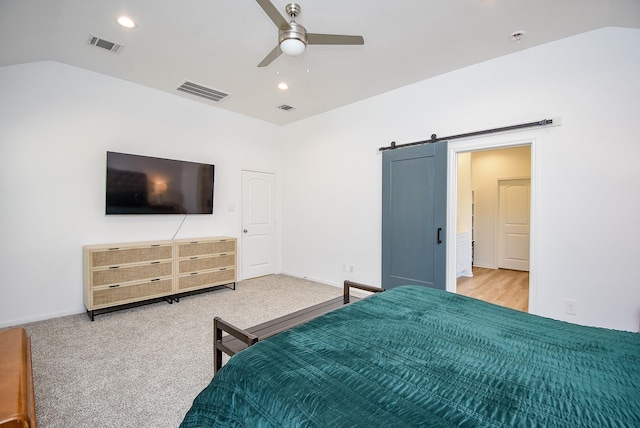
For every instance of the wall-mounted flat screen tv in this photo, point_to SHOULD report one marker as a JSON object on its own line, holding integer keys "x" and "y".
{"x": 147, "y": 185}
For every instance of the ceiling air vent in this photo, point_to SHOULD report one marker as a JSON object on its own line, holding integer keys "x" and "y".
{"x": 203, "y": 91}
{"x": 285, "y": 107}
{"x": 105, "y": 44}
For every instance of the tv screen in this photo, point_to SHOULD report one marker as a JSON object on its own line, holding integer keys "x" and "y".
{"x": 147, "y": 185}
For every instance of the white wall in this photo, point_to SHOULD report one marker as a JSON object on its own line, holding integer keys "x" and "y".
{"x": 586, "y": 183}
{"x": 585, "y": 180}
{"x": 56, "y": 123}
{"x": 464, "y": 217}
{"x": 465, "y": 194}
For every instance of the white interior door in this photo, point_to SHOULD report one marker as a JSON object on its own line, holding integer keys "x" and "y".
{"x": 258, "y": 224}
{"x": 515, "y": 210}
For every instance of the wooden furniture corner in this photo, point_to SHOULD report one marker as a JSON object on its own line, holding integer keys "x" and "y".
{"x": 17, "y": 398}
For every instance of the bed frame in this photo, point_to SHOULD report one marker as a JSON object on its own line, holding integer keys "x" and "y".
{"x": 239, "y": 339}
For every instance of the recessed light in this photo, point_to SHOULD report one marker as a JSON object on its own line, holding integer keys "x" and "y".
{"x": 283, "y": 86}
{"x": 126, "y": 22}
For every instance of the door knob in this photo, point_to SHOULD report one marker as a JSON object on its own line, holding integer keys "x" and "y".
{"x": 245, "y": 231}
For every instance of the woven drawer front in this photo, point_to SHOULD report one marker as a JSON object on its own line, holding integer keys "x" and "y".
{"x": 206, "y": 263}
{"x": 132, "y": 273}
{"x": 207, "y": 247}
{"x": 130, "y": 255}
{"x": 208, "y": 278}
{"x": 132, "y": 292}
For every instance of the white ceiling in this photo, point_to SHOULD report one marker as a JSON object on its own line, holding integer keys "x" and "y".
{"x": 218, "y": 43}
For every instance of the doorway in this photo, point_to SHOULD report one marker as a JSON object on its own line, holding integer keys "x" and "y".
{"x": 479, "y": 205}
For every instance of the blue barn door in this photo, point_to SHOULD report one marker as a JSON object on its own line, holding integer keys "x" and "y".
{"x": 414, "y": 215}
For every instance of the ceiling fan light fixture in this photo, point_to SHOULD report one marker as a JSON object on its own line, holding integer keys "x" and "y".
{"x": 293, "y": 40}
{"x": 292, "y": 47}
{"x": 293, "y": 37}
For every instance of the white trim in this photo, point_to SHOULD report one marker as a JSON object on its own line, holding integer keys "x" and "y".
{"x": 42, "y": 317}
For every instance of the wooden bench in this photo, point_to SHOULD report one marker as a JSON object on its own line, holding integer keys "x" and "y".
{"x": 239, "y": 339}
{"x": 17, "y": 400}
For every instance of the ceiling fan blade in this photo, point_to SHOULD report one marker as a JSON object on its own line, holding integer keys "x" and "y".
{"x": 333, "y": 39}
{"x": 273, "y": 13}
{"x": 275, "y": 53}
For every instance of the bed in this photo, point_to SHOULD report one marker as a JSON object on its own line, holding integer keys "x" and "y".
{"x": 415, "y": 356}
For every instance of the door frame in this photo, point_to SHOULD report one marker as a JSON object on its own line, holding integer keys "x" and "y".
{"x": 499, "y": 141}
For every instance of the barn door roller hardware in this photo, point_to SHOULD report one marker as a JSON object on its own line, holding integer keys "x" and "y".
{"x": 435, "y": 139}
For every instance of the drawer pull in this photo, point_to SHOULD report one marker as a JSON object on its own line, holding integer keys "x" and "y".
{"x": 114, "y": 267}
{"x": 155, "y": 245}
{"x": 193, "y": 273}
{"x": 222, "y": 255}
{"x": 155, "y": 263}
{"x": 223, "y": 269}
{"x": 113, "y": 249}
{"x": 114, "y": 286}
{"x": 193, "y": 242}
{"x": 193, "y": 258}
{"x": 155, "y": 279}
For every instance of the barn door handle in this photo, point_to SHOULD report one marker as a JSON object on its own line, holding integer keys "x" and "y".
{"x": 439, "y": 237}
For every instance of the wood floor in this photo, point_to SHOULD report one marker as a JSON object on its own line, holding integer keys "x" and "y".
{"x": 503, "y": 287}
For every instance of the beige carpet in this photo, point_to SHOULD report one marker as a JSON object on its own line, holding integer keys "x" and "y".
{"x": 143, "y": 367}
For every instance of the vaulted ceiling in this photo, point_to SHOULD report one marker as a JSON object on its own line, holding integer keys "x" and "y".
{"x": 219, "y": 43}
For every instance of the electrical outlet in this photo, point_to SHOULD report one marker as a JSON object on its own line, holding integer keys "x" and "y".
{"x": 570, "y": 306}
{"x": 351, "y": 269}
{"x": 344, "y": 267}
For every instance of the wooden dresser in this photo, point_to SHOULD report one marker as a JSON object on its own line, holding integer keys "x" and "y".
{"x": 117, "y": 275}
{"x": 203, "y": 263}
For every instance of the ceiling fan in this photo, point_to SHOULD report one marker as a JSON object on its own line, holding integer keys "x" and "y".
{"x": 293, "y": 37}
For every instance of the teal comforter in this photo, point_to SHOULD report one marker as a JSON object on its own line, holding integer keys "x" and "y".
{"x": 414, "y": 356}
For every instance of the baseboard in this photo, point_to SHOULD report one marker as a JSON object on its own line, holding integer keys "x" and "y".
{"x": 21, "y": 321}
{"x": 321, "y": 281}
{"x": 484, "y": 266}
